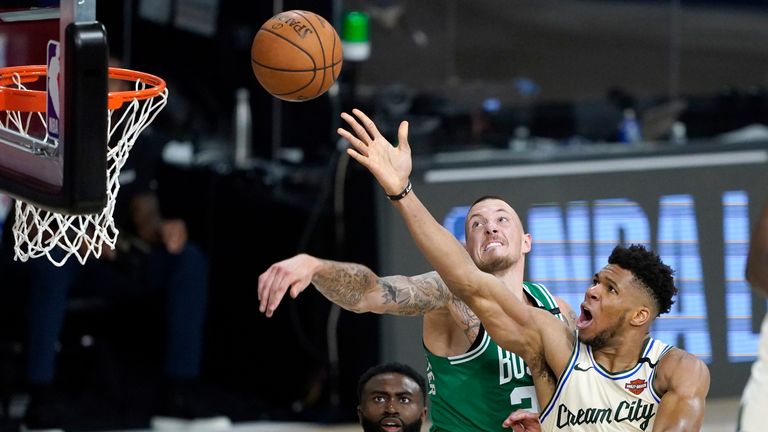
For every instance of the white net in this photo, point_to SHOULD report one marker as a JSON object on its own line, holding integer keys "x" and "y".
{"x": 39, "y": 232}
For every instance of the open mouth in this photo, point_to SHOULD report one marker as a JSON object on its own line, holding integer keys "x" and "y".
{"x": 585, "y": 319}
{"x": 391, "y": 424}
{"x": 492, "y": 245}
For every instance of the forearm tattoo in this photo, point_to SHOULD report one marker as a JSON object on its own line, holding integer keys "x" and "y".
{"x": 344, "y": 283}
{"x": 347, "y": 285}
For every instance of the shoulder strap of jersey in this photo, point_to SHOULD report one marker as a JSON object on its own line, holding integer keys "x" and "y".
{"x": 550, "y": 304}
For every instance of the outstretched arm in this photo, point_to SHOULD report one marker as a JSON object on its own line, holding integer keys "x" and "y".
{"x": 352, "y": 286}
{"x": 507, "y": 319}
{"x": 757, "y": 260}
{"x": 683, "y": 381}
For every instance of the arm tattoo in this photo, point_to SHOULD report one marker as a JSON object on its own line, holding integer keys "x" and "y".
{"x": 344, "y": 283}
{"x": 413, "y": 296}
{"x": 469, "y": 322}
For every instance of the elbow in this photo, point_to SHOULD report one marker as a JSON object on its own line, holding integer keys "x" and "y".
{"x": 356, "y": 309}
{"x": 360, "y": 307}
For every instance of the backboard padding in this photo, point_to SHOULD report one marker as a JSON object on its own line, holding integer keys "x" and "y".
{"x": 71, "y": 179}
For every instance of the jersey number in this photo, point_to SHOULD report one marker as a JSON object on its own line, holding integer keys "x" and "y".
{"x": 524, "y": 398}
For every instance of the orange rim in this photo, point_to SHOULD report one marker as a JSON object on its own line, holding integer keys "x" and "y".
{"x": 15, "y": 99}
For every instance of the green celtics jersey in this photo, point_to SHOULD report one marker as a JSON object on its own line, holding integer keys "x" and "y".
{"x": 477, "y": 390}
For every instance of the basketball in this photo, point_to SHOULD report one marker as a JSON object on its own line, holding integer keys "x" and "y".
{"x": 296, "y": 55}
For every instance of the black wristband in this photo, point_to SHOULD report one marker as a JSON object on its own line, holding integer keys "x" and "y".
{"x": 402, "y": 194}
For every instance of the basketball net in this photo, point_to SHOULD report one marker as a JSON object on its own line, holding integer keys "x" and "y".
{"x": 39, "y": 232}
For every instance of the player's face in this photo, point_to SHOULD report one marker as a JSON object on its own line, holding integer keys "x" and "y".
{"x": 391, "y": 402}
{"x": 607, "y": 306}
{"x": 495, "y": 237}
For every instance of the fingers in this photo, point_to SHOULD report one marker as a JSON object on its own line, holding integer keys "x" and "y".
{"x": 265, "y": 281}
{"x": 522, "y": 420}
{"x": 370, "y": 126}
{"x": 279, "y": 278}
{"x": 361, "y": 159}
{"x": 271, "y": 290}
{"x": 357, "y": 144}
{"x": 515, "y": 426}
{"x": 357, "y": 128}
{"x": 514, "y": 419}
{"x": 295, "y": 290}
{"x": 276, "y": 295}
{"x": 402, "y": 137}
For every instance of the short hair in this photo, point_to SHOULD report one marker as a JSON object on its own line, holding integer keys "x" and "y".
{"x": 392, "y": 367}
{"x": 494, "y": 197}
{"x": 488, "y": 197}
{"x": 647, "y": 267}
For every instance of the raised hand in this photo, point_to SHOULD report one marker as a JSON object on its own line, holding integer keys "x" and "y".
{"x": 523, "y": 421}
{"x": 293, "y": 273}
{"x": 390, "y": 165}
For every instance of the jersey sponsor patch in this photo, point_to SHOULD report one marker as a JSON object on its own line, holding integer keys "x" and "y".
{"x": 636, "y": 386}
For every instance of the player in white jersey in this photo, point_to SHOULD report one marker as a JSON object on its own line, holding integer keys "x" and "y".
{"x": 618, "y": 310}
{"x": 754, "y": 399}
{"x": 590, "y": 397}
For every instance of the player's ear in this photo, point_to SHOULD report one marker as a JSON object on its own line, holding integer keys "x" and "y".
{"x": 641, "y": 316}
{"x": 527, "y": 243}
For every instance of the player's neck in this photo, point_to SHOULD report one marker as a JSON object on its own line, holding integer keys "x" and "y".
{"x": 621, "y": 353}
{"x": 512, "y": 278}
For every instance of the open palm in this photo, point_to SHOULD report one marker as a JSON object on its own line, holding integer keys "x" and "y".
{"x": 390, "y": 165}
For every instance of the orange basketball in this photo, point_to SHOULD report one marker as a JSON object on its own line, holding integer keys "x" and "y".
{"x": 296, "y": 55}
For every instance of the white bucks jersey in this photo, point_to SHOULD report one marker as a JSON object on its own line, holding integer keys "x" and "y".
{"x": 589, "y": 398}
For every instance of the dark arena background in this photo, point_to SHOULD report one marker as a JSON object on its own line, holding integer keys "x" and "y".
{"x": 526, "y": 99}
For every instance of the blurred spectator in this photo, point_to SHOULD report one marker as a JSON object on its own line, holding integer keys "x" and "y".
{"x": 153, "y": 254}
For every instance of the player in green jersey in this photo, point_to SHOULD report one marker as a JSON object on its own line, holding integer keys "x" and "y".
{"x": 473, "y": 389}
{"x": 392, "y": 397}
{"x": 473, "y": 385}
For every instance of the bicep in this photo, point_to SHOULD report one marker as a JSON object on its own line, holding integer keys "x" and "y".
{"x": 682, "y": 404}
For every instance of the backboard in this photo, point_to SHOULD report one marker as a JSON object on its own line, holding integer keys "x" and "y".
{"x": 58, "y": 161}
